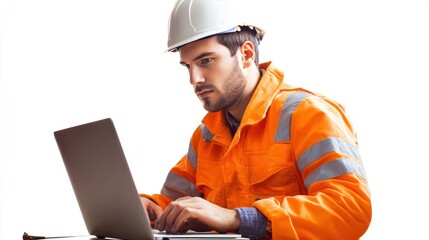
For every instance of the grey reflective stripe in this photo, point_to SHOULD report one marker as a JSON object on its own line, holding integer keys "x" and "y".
{"x": 283, "y": 128}
{"x": 176, "y": 187}
{"x": 323, "y": 147}
{"x": 334, "y": 169}
{"x": 207, "y": 135}
{"x": 192, "y": 156}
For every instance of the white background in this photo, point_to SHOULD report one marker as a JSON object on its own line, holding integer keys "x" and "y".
{"x": 65, "y": 63}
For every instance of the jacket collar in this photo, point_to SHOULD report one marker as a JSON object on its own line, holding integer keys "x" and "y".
{"x": 269, "y": 84}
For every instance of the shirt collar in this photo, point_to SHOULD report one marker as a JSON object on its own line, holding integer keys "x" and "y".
{"x": 232, "y": 122}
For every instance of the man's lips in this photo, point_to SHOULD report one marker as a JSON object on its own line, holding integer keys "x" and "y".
{"x": 204, "y": 93}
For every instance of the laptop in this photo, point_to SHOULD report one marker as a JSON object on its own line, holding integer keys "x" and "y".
{"x": 104, "y": 187}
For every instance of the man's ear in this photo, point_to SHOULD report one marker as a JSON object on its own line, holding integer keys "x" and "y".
{"x": 247, "y": 51}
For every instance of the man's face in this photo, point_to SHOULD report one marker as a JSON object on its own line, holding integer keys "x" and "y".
{"x": 215, "y": 75}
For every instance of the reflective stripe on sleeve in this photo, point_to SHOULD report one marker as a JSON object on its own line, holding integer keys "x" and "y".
{"x": 192, "y": 156}
{"x": 176, "y": 187}
{"x": 323, "y": 147}
{"x": 334, "y": 169}
{"x": 283, "y": 128}
{"x": 331, "y": 169}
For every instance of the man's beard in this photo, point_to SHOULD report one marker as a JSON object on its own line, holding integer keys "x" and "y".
{"x": 232, "y": 87}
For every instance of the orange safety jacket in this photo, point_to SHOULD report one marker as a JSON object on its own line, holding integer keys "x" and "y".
{"x": 294, "y": 157}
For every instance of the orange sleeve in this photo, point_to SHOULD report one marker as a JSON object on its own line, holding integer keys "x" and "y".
{"x": 335, "y": 207}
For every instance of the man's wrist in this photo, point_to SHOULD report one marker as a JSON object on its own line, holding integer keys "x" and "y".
{"x": 253, "y": 224}
{"x": 235, "y": 221}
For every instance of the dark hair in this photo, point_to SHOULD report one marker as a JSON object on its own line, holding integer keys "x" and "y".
{"x": 235, "y": 39}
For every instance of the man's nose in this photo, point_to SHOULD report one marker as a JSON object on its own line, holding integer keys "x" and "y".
{"x": 195, "y": 76}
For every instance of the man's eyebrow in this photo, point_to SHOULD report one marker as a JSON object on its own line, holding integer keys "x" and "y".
{"x": 202, "y": 55}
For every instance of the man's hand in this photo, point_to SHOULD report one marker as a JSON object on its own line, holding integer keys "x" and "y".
{"x": 194, "y": 213}
{"x": 153, "y": 210}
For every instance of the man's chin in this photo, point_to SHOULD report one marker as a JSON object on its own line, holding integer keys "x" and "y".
{"x": 209, "y": 109}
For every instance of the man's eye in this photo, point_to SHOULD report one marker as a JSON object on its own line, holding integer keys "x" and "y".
{"x": 206, "y": 60}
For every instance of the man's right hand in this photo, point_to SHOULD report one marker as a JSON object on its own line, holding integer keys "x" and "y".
{"x": 153, "y": 210}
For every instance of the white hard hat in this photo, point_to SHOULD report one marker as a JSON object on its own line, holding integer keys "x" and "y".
{"x": 191, "y": 20}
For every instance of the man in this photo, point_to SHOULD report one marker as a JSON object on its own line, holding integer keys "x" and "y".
{"x": 269, "y": 160}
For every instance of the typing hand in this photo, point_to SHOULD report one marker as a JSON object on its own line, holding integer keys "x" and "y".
{"x": 194, "y": 213}
{"x": 153, "y": 210}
